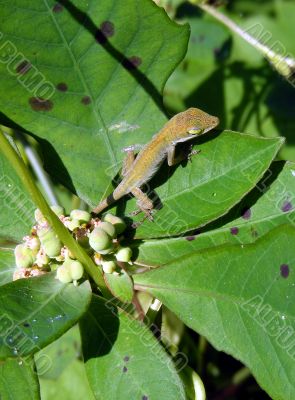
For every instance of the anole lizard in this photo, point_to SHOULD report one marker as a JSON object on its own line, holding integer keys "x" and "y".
{"x": 138, "y": 171}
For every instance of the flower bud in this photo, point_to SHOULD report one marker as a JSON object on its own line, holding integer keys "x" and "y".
{"x": 42, "y": 258}
{"x": 39, "y": 217}
{"x": 99, "y": 240}
{"x": 124, "y": 254}
{"x": 63, "y": 274}
{"x": 118, "y": 223}
{"x": 82, "y": 238}
{"x": 108, "y": 228}
{"x": 49, "y": 241}
{"x": 24, "y": 257}
{"x": 58, "y": 210}
{"x": 34, "y": 243}
{"x": 80, "y": 215}
{"x": 108, "y": 266}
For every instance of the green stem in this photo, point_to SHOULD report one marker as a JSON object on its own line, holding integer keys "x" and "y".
{"x": 60, "y": 229}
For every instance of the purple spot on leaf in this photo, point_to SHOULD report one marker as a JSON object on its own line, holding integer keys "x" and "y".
{"x": 246, "y": 213}
{"x": 86, "y": 100}
{"x": 234, "y": 230}
{"x": 39, "y": 104}
{"x": 26, "y": 324}
{"x": 125, "y": 369}
{"x": 287, "y": 206}
{"x": 105, "y": 31}
{"x": 285, "y": 270}
{"x": 190, "y": 238}
{"x": 23, "y": 67}
{"x": 57, "y": 8}
{"x": 62, "y": 87}
{"x": 144, "y": 398}
{"x": 126, "y": 358}
{"x": 107, "y": 28}
{"x": 131, "y": 62}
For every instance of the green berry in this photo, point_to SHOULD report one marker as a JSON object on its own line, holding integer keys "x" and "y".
{"x": 73, "y": 224}
{"x": 76, "y": 269}
{"x": 108, "y": 228}
{"x": 49, "y": 241}
{"x": 118, "y": 223}
{"x": 80, "y": 215}
{"x": 64, "y": 274}
{"x": 54, "y": 266}
{"x": 108, "y": 266}
{"x": 124, "y": 254}
{"x": 24, "y": 257}
{"x": 99, "y": 240}
{"x": 58, "y": 210}
{"x": 107, "y": 251}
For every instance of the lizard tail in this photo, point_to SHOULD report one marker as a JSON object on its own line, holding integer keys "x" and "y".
{"x": 104, "y": 204}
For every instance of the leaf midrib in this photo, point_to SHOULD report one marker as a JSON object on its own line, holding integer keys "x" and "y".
{"x": 97, "y": 114}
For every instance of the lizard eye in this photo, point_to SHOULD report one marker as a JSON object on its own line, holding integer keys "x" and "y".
{"x": 195, "y": 131}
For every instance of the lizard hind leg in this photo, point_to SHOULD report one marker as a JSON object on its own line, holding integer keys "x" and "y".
{"x": 144, "y": 203}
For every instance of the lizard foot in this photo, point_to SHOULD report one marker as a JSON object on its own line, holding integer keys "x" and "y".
{"x": 192, "y": 153}
{"x": 147, "y": 215}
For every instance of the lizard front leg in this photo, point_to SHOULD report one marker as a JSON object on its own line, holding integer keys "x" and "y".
{"x": 173, "y": 160}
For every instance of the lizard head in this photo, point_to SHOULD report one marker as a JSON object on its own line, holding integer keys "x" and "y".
{"x": 198, "y": 122}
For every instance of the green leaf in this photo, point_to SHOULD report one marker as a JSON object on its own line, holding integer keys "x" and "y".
{"x": 269, "y": 204}
{"x": 72, "y": 384}
{"x": 18, "y": 380}
{"x": 52, "y": 360}
{"x": 7, "y": 265}
{"x": 36, "y": 311}
{"x": 227, "y": 168}
{"x": 61, "y": 369}
{"x": 241, "y": 298}
{"x": 17, "y": 208}
{"x": 122, "y": 356}
{"x": 106, "y": 77}
{"x": 121, "y": 286}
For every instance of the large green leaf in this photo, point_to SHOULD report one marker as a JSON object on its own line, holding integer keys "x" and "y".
{"x": 65, "y": 372}
{"x": 269, "y": 204}
{"x": 18, "y": 380}
{"x": 60, "y": 353}
{"x": 241, "y": 297}
{"x": 72, "y": 383}
{"x": 123, "y": 359}
{"x": 227, "y": 167}
{"x": 36, "y": 311}
{"x": 7, "y": 265}
{"x": 17, "y": 208}
{"x": 107, "y": 62}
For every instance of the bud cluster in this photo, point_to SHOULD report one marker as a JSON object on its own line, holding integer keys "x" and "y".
{"x": 42, "y": 251}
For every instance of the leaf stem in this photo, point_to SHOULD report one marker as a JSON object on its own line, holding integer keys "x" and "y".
{"x": 41, "y": 203}
{"x": 284, "y": 64}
